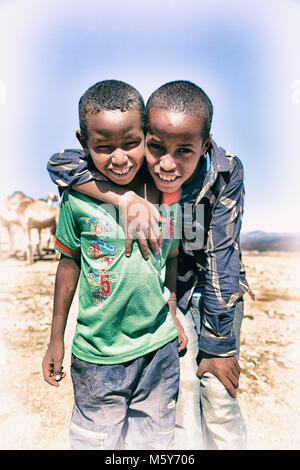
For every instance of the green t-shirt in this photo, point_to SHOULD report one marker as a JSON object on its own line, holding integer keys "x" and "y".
{"x": 123, "y": 311}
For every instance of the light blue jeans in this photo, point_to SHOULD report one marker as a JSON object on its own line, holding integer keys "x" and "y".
{"x": 207, "y": 416}
{"x": 126, "y": 406}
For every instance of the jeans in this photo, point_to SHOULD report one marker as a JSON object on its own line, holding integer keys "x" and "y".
{"x": 207, "y": 416}
{"x": 126, "y": 406}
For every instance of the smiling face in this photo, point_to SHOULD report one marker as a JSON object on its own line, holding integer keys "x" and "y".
{"x": 174, "y": 145}
{"x": 115, "y": 141}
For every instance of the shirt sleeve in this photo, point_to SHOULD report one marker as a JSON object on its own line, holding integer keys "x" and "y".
{"x": 71, "y": 167}
{"x": 223, "y": 264}
{"x": 67, "y": 234}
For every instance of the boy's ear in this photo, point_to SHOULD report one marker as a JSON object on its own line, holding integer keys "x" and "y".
{"x": 206, "y": 144}
{"x": 82, "y": 142}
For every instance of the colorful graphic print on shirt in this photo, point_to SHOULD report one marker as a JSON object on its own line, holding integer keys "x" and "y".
{"x": 102, "y": 253}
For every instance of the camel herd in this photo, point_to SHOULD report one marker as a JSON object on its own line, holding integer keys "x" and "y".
{"x": 22, "y": 217}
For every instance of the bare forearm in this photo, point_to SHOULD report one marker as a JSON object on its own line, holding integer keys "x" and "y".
{"x": 103, "y": 191}
{"x": 171, "y": 273}
{"x": 66, "y": 281}
{"x": 170, "y": 283}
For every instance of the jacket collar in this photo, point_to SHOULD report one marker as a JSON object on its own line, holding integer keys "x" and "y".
{"x": 218, "y": 163}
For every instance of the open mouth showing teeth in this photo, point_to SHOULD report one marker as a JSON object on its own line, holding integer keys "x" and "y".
{"x": 168, "y": 179}
{"x": 122, "y": 172}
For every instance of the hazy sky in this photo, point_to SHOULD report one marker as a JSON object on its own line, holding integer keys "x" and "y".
{"x": 244, "y": 54}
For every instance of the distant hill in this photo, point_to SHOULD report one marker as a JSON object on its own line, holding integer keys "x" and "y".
{"x": 270, "y": 241}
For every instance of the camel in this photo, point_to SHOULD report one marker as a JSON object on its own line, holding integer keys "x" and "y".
{"x": 50, "y": 232}
{"x": 30, "y": 214}
{"x": 9, "y": 218}
{"x": 39, "y": 215}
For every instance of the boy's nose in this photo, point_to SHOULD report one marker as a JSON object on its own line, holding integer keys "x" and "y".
{"x": 167, "y": 163}
{"x": 119, "y": 157}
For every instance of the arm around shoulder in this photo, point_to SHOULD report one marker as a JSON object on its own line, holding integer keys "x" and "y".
{"x": 71, "y": 167}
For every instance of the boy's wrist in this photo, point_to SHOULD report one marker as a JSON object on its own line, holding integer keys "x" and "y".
{"x": 57, "y": 338}
{"x": 58, "y": 330}
{"x": 126, "y": 198}
{"x": 172, "y": 307}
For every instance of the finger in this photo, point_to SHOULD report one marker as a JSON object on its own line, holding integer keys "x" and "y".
{"x": 229, "y": 387}
{"x": 234, "y": 373}
{"x": 184, "y": 337}
{"x": 233, "y": 365}
{"x": 154, "y": 225}
{"x": 153, "y": 242}
{"x": 51, "y": 381}
{"x": 157, "y": 234}
{"x": 155, "y": 228}
{"x": 182, "y": 346}
{"x": 58, "y": 368}
{"x": 47, "y": 369}
{"x": 237, "y": 366}
{"x": 60, "y": 376}
{"x": 181, "y": 342}
{"x": 156, "y": 214}
{"x": 200, "y": 371}
{"x": 57, "y": 376}
{"x": 234, "y": 380}
{"x": 143, "y": 246}
{"x": 48, "y": 374}
{"x": 160, "y": 240}
{"x": 154, "y": 246}
{"x": 128, "y": 246}
{"x": 235, "y": 369}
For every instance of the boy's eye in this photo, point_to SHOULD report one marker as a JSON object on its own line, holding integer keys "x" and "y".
{"x": 184, "y": 150}
{"x": 131, "y": 145}
{"x": 155, "y": 146}
{"x": 103, "y": 148}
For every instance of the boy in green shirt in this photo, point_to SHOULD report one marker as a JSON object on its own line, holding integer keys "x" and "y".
{"x": 125, "y": 366}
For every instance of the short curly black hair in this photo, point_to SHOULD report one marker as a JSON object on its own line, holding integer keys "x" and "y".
{"x": 109, "y": 95}
{"x": 182, "y": 96}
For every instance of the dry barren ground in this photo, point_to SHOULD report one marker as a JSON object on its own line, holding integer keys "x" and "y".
{"x": 35, "y": 416}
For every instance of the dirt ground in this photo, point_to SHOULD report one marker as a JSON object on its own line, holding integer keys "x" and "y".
{"x": 35, "y": 416}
